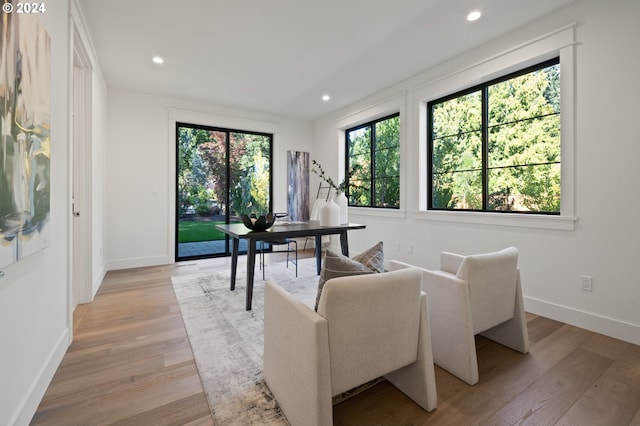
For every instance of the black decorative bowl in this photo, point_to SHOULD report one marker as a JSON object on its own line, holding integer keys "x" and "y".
{"x": 258, "y": 223}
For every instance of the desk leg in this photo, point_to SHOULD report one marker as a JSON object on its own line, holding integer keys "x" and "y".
{"x": 344, "y": 243}
{"x": 251, "y": 266}
{"x": 318, "y": 253}
{"x": 234, "y": 262}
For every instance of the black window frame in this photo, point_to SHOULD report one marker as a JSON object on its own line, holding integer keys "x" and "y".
{"x": 483, "y": 88}
{"x": 372, "y": 151}
{"x": 227, "y": 216}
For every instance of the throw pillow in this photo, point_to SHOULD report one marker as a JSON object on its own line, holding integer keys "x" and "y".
{"x": 336, "y": 265}
{"x": 372, "y": 258}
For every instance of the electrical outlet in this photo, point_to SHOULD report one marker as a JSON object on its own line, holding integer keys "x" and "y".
{"x": 410, "y": 248}
{"x": 586, "y": 283}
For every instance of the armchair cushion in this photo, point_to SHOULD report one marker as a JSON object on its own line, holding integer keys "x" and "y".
{"x": 336, "y": 265}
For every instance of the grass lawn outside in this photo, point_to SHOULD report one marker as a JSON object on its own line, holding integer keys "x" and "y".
{"x": 196, "y": 231}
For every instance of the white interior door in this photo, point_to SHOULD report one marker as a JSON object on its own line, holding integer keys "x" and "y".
{"x": 82, "y": 287}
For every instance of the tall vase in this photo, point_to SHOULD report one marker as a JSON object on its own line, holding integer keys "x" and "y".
{"x": 343, "y": 203}
{"x": 330, "y": 214}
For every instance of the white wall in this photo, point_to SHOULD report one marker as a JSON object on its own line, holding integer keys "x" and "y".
{"x": 141, "y": 168}
{"x": 34, "y": 298}
{"x": 605, "y": 241}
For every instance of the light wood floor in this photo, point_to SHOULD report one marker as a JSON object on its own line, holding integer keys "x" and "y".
{"x": 131, "y": 363}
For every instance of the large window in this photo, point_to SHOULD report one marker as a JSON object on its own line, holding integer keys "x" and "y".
{"x": 496, "y": 147}
{"x": 373, "y": 163}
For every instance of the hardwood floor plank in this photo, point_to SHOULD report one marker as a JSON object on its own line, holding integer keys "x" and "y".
{"x": 381, "y": 405}
{"x": 606, "y": 346}
{"x": 612, "y": 400}
{"x": 540, "y": 327}
{"x": 191, "y": 410}
{"x": 609, "y": 401}
{"x": 116, "y": 400}
{"x": 86, "y": 377}
{"x": 548, "y": 398}
{"x": 126, "y": 331}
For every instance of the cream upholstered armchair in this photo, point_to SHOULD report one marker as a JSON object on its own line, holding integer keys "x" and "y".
{"x": 469, "y": 295}
{"x": 366, "y": 326}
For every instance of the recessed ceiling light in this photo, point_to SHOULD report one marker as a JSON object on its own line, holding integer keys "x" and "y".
{"x": 158, "y": 60}
{"x": 326, "y": 98}
{"x": 474, "y": 16}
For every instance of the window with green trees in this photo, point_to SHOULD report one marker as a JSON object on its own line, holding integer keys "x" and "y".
{"x": 496, "y": 147}
{"x": 229, "y": 169}
{"x": 373, "y": 163}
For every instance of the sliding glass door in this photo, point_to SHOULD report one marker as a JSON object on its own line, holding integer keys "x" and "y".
{"x": 221, "y": 173}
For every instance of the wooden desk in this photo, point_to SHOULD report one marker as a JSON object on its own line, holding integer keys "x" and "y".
{"x": 312, "y": 228}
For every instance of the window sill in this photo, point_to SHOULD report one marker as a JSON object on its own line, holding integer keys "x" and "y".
{"x": 377, "y": 212}
{"x": 537, "y": 221}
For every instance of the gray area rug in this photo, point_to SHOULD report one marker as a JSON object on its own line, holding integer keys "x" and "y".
{"x": 227, "y": 340}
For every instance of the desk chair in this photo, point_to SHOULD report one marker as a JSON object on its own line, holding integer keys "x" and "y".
{"x": 267, "y": 244}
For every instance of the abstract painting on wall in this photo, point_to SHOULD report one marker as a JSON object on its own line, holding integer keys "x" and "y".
{"x": 298, "y": 186}
{"x": 25, "y": 115}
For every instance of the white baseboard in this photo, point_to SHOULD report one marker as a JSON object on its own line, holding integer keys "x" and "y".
{"x": 139, "y": 262}
{"x": 598, "y": 324}
{"x": 24, "y": 413}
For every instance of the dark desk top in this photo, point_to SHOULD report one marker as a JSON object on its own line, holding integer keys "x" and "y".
{"x": 307, "y": 229}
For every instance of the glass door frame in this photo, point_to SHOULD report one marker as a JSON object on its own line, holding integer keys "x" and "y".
{"x": 227, "y": 201}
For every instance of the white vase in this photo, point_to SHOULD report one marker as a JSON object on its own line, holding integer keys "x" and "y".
{"x": 330, "y": 214}
{"x": 343, "y": 203}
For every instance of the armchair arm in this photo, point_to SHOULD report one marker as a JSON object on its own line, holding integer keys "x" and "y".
{"x": 296, "y": 358}
{"x": 450, "y": 262}
{"x": 418, "y": 380}
{"x": 451, "y": 324}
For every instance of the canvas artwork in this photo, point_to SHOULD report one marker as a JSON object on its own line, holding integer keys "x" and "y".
{"x": 298, "y": 186}
{"x": 25, "y": 111}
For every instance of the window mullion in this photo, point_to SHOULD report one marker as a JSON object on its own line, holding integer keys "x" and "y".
{"x": 227, "y": 189}
{"x": 373, "y": 165}
{"x": 485, "y": 148}
{"x": 347, "y": 167}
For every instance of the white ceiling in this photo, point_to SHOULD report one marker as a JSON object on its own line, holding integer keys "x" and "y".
{"x": 281, "y": 56}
